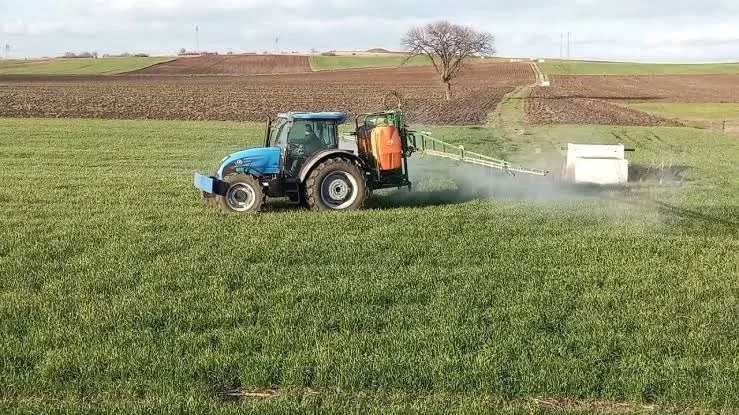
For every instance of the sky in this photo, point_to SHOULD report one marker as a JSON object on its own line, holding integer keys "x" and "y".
{"x": 624, "y": 30}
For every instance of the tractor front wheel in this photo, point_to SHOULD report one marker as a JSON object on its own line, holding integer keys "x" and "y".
{"x": 336, "y": 184}
{"x": 244, "y": 194}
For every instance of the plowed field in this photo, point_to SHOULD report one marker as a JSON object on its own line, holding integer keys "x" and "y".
{"x": 231, "y": 65}
{"x": 252, "y": 98}
{"x": 592, "y": 99}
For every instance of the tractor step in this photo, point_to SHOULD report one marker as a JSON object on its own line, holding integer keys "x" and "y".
{"x": 292, "y": 190}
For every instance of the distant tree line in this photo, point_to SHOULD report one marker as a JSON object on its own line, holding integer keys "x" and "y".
{"x": 95, "y": 55}
{"x": 185, "y": 52}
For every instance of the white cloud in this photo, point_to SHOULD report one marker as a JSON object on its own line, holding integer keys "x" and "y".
{"x": 38, "y": 28}
{"x": 628, "y": 29}
{"x": 717, "y": 32}
{"x": 144, "y": 8}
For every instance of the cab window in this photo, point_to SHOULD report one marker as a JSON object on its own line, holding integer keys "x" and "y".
{"x": 280, "y": 134}
{"x": 297, "y": 132}
{"x": 324, "y": 130}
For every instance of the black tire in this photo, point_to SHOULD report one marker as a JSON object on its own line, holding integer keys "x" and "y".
{"x": 336, "y": 184}
{"x": 245, "y": 194}
{"x": 303, "y": 197}
{"x": 212, "y": 199}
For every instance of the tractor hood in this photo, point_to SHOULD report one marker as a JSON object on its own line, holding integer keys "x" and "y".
{"x": 257, "y": 161}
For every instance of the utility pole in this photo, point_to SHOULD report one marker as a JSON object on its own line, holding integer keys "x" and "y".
{"x": 568, "y": 45}
{"x": 561, "y": 41}
{"x": 277, "y": 47}
{"x": 197, "y": 39}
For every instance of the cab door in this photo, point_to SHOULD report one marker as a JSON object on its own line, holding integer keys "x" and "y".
{"x": 279, "y": 139}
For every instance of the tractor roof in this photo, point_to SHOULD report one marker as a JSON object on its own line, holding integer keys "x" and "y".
{"x": 340, "y": 117}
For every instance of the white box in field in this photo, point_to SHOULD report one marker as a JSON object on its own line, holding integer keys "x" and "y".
{"x": 601, "y": 171}
{"x": 597, "y": 163}
{"x": 606, "y": 151}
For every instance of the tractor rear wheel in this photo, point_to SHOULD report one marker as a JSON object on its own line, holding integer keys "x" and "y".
{"x": 244, "y": 194}
{"x": 336, "y": 184}
{"x": 303, "y": 197}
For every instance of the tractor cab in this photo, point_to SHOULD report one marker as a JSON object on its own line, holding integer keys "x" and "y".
{"x": 300, "y": 135}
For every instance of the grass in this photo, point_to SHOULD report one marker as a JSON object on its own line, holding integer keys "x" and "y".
{"x": 78, "y": 66}
{"x": 121, "y": 289}
{"x": 564, "y": 67}
{"x": 319, "y": 63}
{"x": 690, "y": 110}
{"x": 715, "y": 116}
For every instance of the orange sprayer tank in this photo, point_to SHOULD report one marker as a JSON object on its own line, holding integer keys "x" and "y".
{"x": 387, "y": 147}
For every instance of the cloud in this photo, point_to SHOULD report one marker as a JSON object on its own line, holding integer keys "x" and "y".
{"x": 45, "y": 28}
{"x": 687, "y": 35}
{"x": 634, "y": 29}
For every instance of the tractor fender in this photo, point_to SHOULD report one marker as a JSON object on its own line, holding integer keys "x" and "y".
{"x": 325, "y": 155}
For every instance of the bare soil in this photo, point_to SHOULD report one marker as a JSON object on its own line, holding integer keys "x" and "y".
{"x": 593, "y": 99}
{"x": 588, "y": 111}
{"x": 253, "y": 98}
{"x": 230, "y": 65}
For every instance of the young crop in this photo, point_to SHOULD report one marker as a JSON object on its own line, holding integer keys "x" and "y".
{"x": 121, "y": 288}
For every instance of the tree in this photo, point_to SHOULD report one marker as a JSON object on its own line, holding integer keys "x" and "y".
{"x": 448, "y": 46}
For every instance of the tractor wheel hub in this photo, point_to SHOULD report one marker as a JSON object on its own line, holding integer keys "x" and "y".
{"x": 339, "y": 190}
{"x": 240, "y": 197}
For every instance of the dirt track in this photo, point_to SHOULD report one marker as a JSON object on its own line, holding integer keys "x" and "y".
{"x": 252, "y": 98}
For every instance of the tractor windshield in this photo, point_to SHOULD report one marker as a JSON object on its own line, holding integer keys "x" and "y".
{"x": 320, "y": 134}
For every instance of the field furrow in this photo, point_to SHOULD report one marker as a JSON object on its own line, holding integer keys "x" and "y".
{"x": 593, "y": 99}
{"x": 230, "y": 65}
{"x": 252, "y": 98}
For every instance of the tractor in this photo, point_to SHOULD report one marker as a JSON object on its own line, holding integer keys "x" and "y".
{"x": 305, "y": 160}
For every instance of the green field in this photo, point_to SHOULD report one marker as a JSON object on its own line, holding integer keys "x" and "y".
{"x": 319, "y": 63}
{"x": 563, "y": 67}
{"x": 78, "y": 66}
{"x": 120, "y": 288}
{"x": 716, "y": 116}
{"x": 686, "y": 110}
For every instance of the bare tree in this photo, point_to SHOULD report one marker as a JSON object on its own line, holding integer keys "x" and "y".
{"x": 448, "y": 46}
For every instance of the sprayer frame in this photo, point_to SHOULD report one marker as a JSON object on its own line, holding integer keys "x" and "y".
{"x": 377, "y": 179}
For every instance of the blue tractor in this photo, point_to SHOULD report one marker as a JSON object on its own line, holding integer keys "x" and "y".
{"x": 305, "y": 160}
